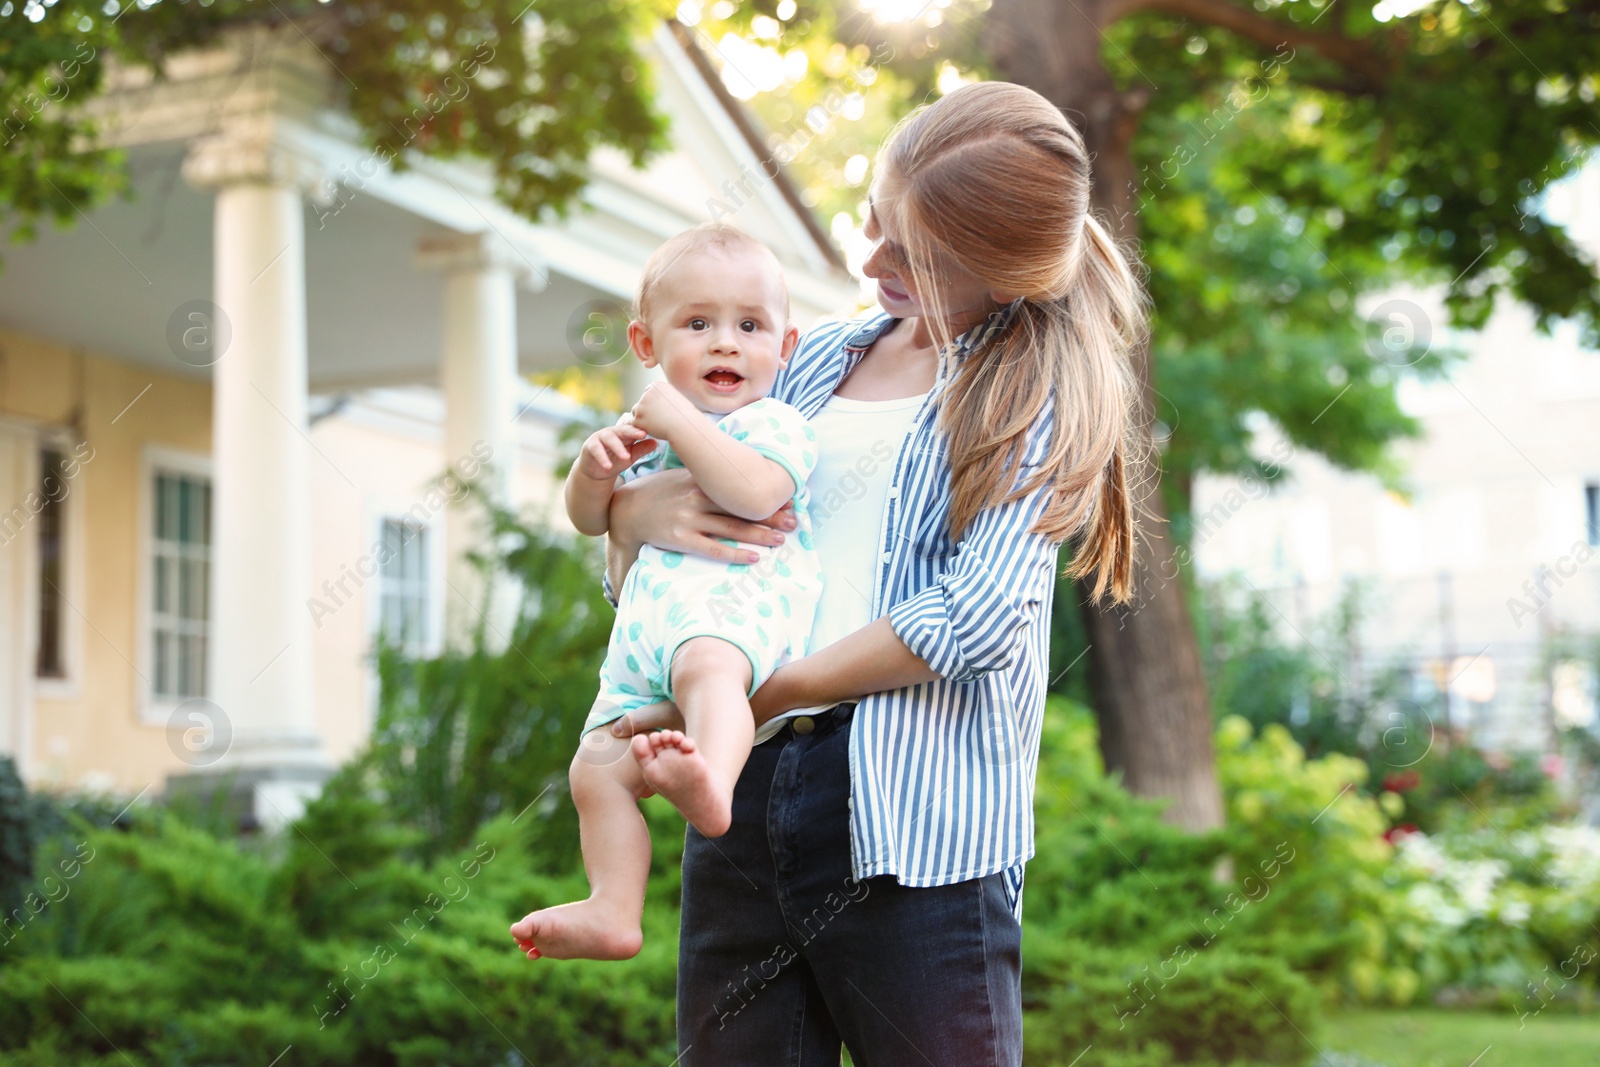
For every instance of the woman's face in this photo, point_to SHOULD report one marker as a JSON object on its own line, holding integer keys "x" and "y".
{"x": 965, "y": 298}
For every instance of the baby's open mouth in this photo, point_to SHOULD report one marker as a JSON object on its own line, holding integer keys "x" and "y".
{"x": 723, "y": 378}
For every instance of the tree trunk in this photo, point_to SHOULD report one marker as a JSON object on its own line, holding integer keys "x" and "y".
{"x": 1145, "y": 674}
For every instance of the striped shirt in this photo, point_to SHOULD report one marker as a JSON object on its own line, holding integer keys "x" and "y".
{"x": 942, "y": 774}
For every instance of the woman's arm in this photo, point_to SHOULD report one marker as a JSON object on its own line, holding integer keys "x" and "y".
{"x": 963, "y": 625}
{"x": 868, "y": 661}
{"x": 871, "y": 660}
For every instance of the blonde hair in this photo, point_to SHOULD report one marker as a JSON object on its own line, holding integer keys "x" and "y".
{"x": 995, "y": 179}
{"x": 707, "y": 235}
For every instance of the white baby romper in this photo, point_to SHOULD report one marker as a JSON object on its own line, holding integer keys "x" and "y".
{"x": 764, "y": 608}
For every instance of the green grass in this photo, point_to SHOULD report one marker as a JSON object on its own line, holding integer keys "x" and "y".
{"x": 1453, "y": 1039}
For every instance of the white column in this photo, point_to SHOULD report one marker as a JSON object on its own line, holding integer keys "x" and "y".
{"x": 19, "y": 604}
{"x": 260, "y": 647}
{"x": 478, "y": 376}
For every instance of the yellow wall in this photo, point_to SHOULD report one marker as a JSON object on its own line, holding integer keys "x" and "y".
{"x": 363, "y": 466}
{"x": 95, "y": 739}
{"x": 360, "y": 473}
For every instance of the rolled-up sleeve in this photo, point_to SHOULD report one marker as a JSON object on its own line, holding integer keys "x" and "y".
{"x": 969, "y": 621}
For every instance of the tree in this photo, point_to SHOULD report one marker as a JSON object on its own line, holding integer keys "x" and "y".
{"x": 1412, "y": 141}
{"x": 1403, "y": 86}
{"x": 534, "y": 86}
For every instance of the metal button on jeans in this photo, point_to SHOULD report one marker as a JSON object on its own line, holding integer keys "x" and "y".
{"x": 804, "y": 724}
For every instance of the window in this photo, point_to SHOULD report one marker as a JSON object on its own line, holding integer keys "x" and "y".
{"x": 50, "y": 659}
{"x": 180, "y": 584}
{"x": 1591, "y": 513}
{"x": 403, "y": 585}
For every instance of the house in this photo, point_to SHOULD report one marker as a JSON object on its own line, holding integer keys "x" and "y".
{"x": 1486, "y": 572}
{"x": 226, "y": 407}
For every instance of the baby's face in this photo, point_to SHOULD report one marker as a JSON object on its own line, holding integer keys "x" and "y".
{"x": 718, "y": 326}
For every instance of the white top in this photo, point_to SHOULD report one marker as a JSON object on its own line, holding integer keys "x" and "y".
{"x": 858, "y": 442}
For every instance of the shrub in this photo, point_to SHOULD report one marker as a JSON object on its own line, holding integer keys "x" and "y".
{"x": 1510, "y": 920}
{"x": 16, "y": 842}
{"x": 175, "y": 947}
{"x": 473, "y": 733}
{"x": 375, "y": 930}
{"x": 1131, "y": 944}
{"x": 1458, "y": 787}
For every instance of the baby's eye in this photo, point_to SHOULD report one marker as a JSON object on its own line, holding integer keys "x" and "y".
{"x": 698, "y": 323}
{"x": 749, "y": 326}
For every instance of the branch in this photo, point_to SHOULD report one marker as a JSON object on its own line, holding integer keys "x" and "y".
{"x": 1370, "y": 69}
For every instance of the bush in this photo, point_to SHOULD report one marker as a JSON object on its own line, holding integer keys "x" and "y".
{"x": 16, "y": 840}
{"x": 175, "y": 947}
{"x": 1510, "y": 920}
{"x": 374, "y": 932}
{"x": 1436, "y": 779}
{"x": 1131, "y": 943}
{"x": 1218, "y": 1007}
{"x": 474, "y": 733}
{"x": 1309, "y": 851}
{"x": 1458, "y": 787}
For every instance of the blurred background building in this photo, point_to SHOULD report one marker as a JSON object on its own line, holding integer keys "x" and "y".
{"x": 1481, "y": 579}
{"x": 210, "y": 513}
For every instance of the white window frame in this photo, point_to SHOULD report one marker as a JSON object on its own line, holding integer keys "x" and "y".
{"x": 153, "y": 459}
{"x": 427, "y": 644}
{"x": 74, "y": 557}
{"x": 433, "y": 642}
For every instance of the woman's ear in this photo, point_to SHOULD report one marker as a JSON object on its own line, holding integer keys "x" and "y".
{"x": 791, "y": 337}
{"x": 639, "y": 341}
{"x": 1001, "y": 297}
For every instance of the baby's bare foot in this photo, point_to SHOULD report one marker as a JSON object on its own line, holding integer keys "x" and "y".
{"x": 584, "y": 930}
{"x": 674, "y": 768}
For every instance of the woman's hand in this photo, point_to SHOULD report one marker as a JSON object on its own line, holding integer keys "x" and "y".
{"x": 662, "y": 716}
{"x": 668, "y": 510}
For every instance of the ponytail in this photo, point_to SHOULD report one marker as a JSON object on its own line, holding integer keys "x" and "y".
{"x": 994, "y": 179}
{"x": 1108, "y": 289}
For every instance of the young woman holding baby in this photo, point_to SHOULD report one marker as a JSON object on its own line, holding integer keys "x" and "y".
{"x": 870, "y": 886}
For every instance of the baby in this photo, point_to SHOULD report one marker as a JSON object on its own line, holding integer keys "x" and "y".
{"x": 713, "y": 313}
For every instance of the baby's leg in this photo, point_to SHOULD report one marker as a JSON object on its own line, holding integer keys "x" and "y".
{"x": 606, "y": 786}
{"x": 697, "y": 772}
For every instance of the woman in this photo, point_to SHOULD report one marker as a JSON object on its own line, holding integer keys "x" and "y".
{"x": 870, "y": 888}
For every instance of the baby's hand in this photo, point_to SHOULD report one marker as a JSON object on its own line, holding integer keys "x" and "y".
{"x": 662, "y": 411}
{"x": 609, "y": 452}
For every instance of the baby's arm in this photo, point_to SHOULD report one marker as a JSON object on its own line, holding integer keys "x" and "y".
{"x": 593, "y": 478}
{"x": 736, "y": 477}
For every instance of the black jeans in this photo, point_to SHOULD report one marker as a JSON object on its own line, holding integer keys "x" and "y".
{"x": 783, "y": 954}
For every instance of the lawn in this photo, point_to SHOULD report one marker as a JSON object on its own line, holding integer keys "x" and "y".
{"x": 1457, "y": 1039}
